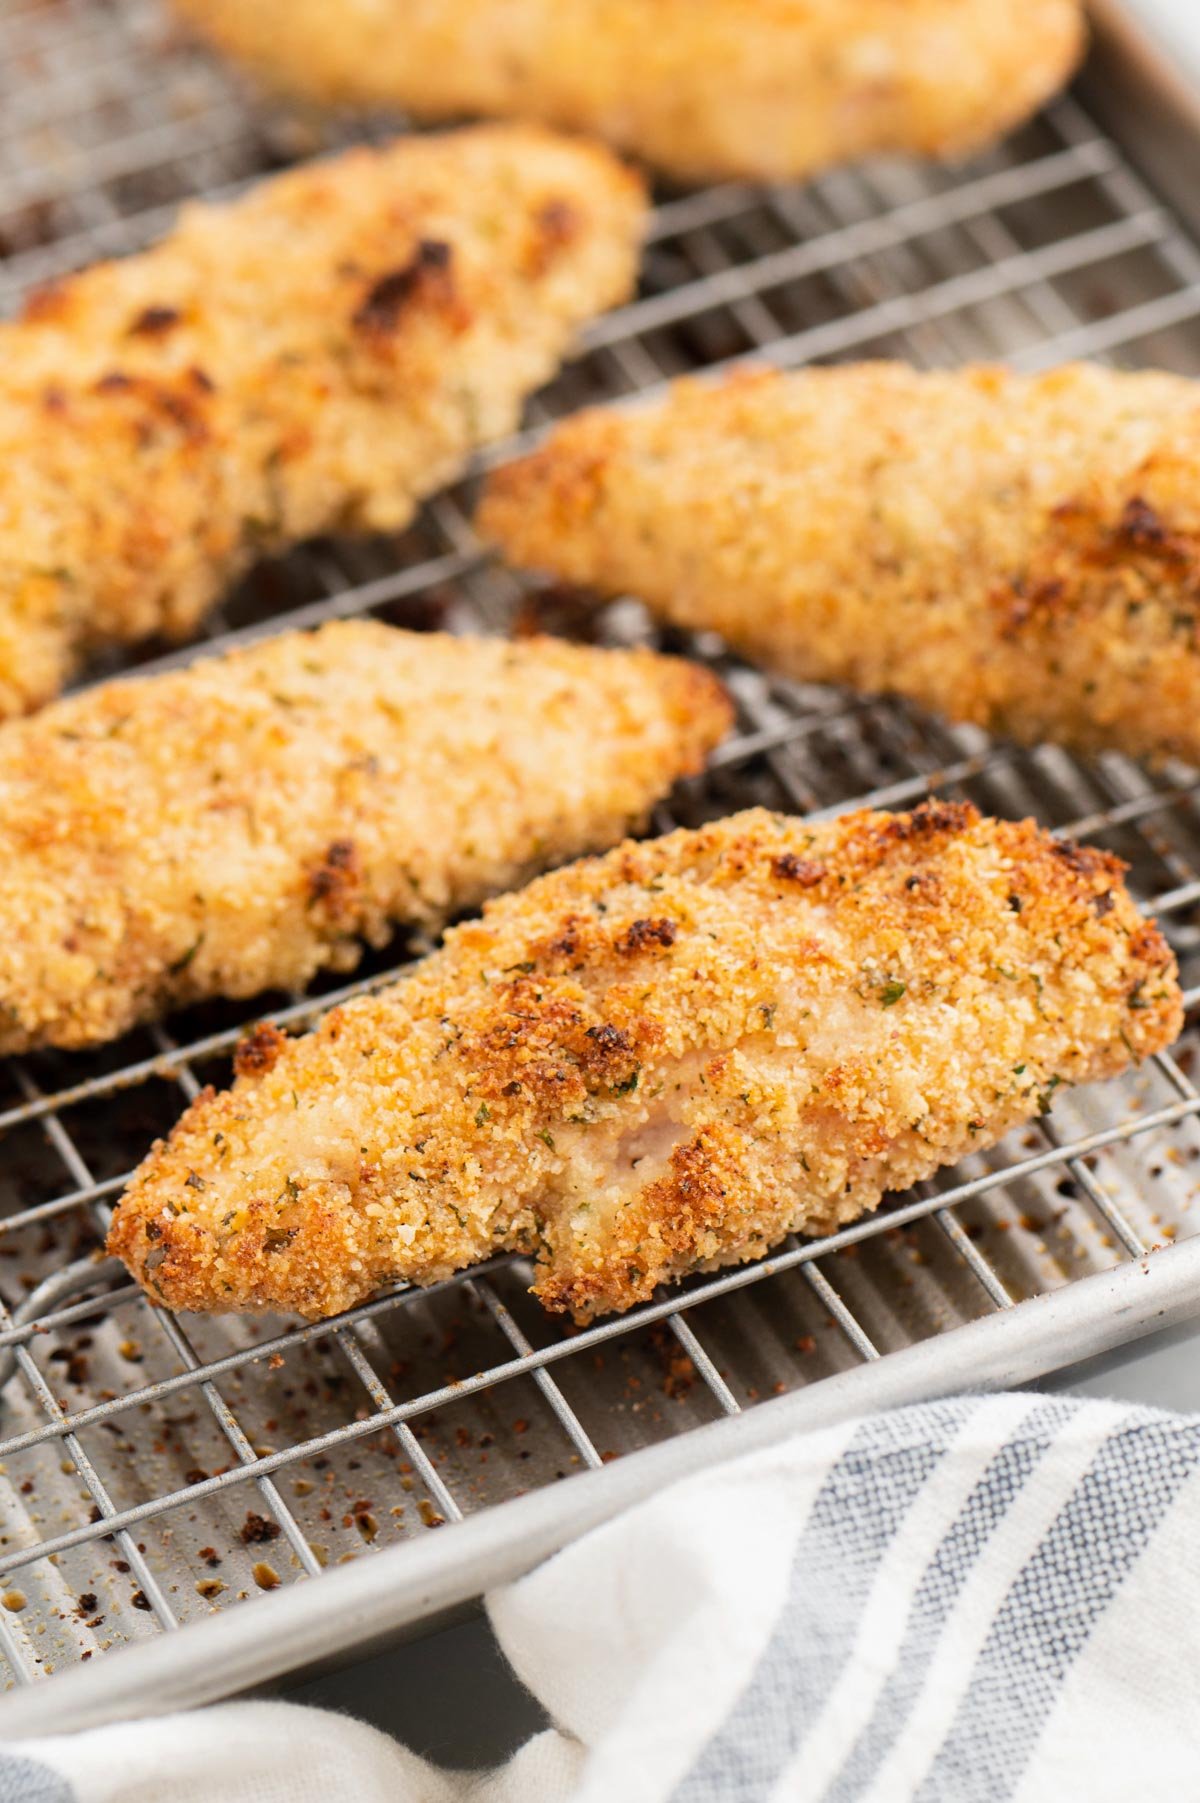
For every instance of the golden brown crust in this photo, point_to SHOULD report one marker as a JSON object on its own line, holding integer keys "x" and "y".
{"x": 244, "y": 823}
{"x": 761, "y": 88}
{"x": 1018, "y": 551}
{"x": 659, "y": 1061}
{"x": 315, "y": 356}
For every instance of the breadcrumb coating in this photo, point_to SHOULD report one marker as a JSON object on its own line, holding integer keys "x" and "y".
{"x": 661, "y": 1061}
{"x": 1018, "y": 551}
{"x": 253, "y": 819}
{"x": 761, "y": 88}
{"x": 314, "y": 357}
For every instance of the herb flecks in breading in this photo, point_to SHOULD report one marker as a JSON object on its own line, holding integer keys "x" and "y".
{"x": 314, "y": 356}
{"x": 1022, "y": 552}
{"x": 792, "y": 1053}
{"x": 257, "y": 818}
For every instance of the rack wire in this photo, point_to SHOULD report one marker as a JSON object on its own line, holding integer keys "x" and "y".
{"x": 153, "y": 1469}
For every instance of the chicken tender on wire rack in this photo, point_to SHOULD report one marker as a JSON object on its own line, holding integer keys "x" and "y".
{"x": 314, "y": 357}
{"x": 704, "y": 88}
{"x": 1018, "y": 551}
{"x": 661, "y": 1061}
{"x": 248, "y": 821}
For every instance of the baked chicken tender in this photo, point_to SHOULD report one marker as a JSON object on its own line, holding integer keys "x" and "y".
{"x": 1018, "y": 551}
{"x": 314, "y": 357}
{"x": 253, "y": 819}
{"x": 767, "y": 89}
{"x": 661, "y": 1061}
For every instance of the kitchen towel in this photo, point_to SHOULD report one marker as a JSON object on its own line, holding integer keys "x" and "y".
{"x": 973, "y": 1600}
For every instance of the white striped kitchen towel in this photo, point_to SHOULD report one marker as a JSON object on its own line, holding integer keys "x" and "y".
{"x": 980, "y": 1599}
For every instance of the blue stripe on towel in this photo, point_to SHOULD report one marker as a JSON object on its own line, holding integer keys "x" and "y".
{"x": 1054, "y": 1606}
{"x": 857, "y": 1513}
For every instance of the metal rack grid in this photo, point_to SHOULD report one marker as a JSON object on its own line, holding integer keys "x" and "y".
{"x": 153, "y": 1470}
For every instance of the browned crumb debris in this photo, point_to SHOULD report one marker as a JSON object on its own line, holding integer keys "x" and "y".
{"x": 1018, "y": 551}
{"x": 761, "y": 88}
{"x": 315, "y": 356}
{"x": 792, "y": 1054}
{"x": 257, "y": 1529}
{"x": 246, "y": 822}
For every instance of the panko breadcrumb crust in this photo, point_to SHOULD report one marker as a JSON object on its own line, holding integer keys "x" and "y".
{"x": 243, "y": 823}
{"x": 1018, "y": 551}
{"x": 661, "y": 1061}
{"x": 313, "y": 357}
{"x": 768, "y": 89}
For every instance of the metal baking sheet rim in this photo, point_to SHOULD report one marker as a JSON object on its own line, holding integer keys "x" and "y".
{"x": 1147, "y": 98}
{"x": 366, "y": 1605}
{"x": 408, "y": 1589}
{"x": 1118, "y": 27}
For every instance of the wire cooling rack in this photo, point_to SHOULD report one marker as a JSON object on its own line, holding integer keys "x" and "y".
{"x": 155, "y": 1469}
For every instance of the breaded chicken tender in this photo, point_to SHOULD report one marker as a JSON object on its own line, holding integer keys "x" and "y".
{"x": 661, "y": 1061}
{"x": 1018, "y": 551}
{"x": 314, "y": 357}
{"x": 251, "y": 820}
{"x": 761, "y": 88}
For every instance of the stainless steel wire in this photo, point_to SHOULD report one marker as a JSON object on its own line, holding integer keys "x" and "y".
{"x": 130, "y": 1440}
